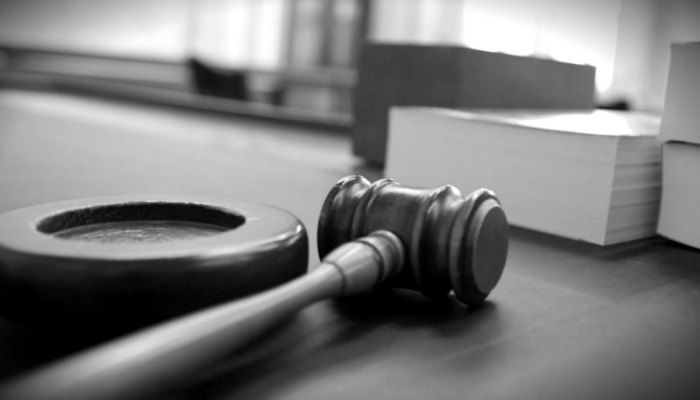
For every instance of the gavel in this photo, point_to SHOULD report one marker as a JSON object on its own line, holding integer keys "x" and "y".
{"x": 381, "y": 234}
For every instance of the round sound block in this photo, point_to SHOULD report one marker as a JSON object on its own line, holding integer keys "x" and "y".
{"x": 109, "y": 265}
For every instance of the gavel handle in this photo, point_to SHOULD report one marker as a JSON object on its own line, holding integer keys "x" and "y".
{"x": 167, "y": 356}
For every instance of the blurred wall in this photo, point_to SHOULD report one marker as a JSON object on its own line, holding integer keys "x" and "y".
{"x": 646, "y": 30}
{"x": 136, "y": 28}
{"x": 635, "y": 49}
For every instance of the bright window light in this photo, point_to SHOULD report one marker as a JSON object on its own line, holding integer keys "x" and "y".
{"x": 580, "y": 32}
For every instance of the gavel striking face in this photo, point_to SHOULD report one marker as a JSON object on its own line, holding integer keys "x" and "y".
{"x": 434, "y": 241}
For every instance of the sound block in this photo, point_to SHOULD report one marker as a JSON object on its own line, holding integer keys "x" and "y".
{"x": 108, "y": 265}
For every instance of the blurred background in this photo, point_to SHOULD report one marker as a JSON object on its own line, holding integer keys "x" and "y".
{"x": 297, "y": 59}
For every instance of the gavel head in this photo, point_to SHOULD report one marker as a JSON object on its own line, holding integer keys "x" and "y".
{"x": 452, "y": 242}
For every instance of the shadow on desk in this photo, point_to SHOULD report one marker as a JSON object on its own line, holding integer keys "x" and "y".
{"x": 342, "y": 335}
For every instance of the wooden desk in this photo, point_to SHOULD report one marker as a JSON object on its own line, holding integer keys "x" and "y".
{"x": 568, "y": 320}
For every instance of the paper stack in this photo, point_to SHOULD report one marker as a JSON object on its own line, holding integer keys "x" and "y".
{"x": 591, "y": 176}
{"x": 680, "y": 131}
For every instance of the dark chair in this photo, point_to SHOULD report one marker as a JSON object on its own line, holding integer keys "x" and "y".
{"x": 218, "y": 82}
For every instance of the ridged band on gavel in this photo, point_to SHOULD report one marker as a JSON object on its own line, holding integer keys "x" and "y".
{"x": 452, "y": 242}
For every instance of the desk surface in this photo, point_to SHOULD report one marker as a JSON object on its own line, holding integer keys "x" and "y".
{"x": 568, "y": 320}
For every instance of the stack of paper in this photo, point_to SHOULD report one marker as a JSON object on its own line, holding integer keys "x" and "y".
{"x": 592, "y": 176}
{"x": 680, "y": 129}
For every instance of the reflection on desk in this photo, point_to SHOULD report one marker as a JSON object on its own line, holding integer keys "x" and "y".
{"x": 568, "y": 320}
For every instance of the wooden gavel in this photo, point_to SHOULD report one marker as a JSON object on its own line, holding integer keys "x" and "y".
{"x": 434, "y": 241}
